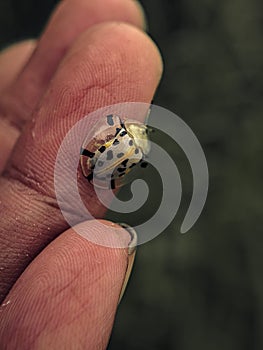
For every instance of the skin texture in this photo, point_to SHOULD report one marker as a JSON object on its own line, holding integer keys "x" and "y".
{"x": 60, "y": 291}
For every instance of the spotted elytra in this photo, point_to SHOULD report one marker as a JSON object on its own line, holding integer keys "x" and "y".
{"x": 118, "y": 147}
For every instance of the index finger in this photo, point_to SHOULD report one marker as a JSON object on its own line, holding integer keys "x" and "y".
{"x": 69, "y": 20}
{"x": 113, "y": 62}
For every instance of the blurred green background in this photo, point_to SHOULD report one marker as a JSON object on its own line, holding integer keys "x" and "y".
{"x": 202, "y": 290}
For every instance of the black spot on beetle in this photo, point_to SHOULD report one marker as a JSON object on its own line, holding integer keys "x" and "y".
{"x": 144, "y": 164}
{"x": 136, "y": 151}
{"x": 130, "y": 143}
{"x": 109, "y": 155}
{"x": 119, "y": 155}
{"x": 110, "y": 120}
{"x": 90, "y": 177}
{"x": 120, "y": 170}
{"x": 123, "y": 133}
{"x": 87, "y": 153}
{"x": 117, "y": 131}
{"x": 122, "y": 124}
{"x": 102, "y": 149}
{"x": 116, "y": 142}
{"x": 124, "y": 163}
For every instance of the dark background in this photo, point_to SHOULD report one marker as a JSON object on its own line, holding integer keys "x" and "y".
{"x": 202, "y": 290}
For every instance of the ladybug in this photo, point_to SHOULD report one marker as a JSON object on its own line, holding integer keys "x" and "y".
{"x": 117, "y": 148}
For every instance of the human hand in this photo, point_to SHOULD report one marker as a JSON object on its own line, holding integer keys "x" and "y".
{"x": 60, "y": 291}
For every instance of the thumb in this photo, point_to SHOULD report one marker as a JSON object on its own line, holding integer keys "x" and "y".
{"x": 68, "y": 295}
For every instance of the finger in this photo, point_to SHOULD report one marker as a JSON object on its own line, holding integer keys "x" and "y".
{"x": 71, "y": 18}
{"x": 108, "y": 64}
{"x": 12, "y": 60}
{"x": 67, "y": 297}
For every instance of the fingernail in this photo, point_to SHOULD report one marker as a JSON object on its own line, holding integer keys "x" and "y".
{"x": 131, "y": 255}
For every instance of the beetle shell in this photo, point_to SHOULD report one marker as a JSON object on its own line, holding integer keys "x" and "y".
{"x": 118, "y": 147}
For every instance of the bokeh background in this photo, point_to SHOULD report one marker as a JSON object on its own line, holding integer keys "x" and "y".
{"x": 202, "y": 290}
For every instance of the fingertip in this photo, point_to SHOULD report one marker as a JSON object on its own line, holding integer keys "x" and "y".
{"x": 104, "y": 233}
{"x": 142, "y": 23}
{"x": 67, "y": 296}
{"x": 115, "y": 55}
{"x": 13, "y": 59}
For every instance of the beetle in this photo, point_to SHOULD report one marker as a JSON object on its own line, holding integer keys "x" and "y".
{"x": 118, "y": 147}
